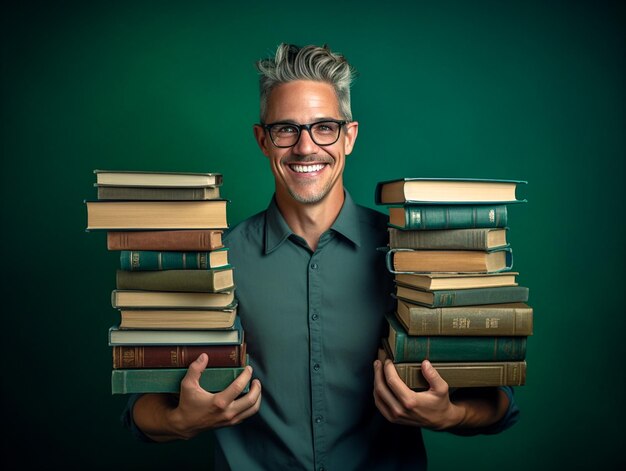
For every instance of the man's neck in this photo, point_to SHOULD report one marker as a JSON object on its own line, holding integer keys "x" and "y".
{"x": 311, "y": 220}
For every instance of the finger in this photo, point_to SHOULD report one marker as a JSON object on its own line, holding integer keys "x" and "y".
{"x": 192, "y": 377}
{"x": 251, "y": 402}
{"x": 397, "y": 387}
{"x": 234, "y": 389}
{"x": 379, "y": 386}
{"x": 436, "y": 382}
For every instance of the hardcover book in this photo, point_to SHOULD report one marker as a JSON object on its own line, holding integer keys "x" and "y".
{"x": 446, "y": 190}
{"x": 175, "y": 240}
{"x": 219, "y": 279}
{"x": 434, "y": 217}
{"x": 148, "y": 260}
{"x": 157, "y": 194}
{"x": 140, "y": 299}
{"x": 514, "y": 319}
{"x": 156, "y": 179}
{"x": 414, "y": 348}
{"x": 177, "y": 318}
{"x": 139, "y": 215}
{"x": 232, "y": 336}
{"x": 177, "y": 356}
{"x": 455, "y": 261}
{"x": 464, "y": 374}
{"x": 448, "y": 281}
{"x": 452, "y": 239}
{"x": 167, "y": 380}
{"x": 462, "y": 297}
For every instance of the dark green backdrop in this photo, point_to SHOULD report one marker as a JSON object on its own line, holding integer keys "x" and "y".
{"x": 522, "y": 90}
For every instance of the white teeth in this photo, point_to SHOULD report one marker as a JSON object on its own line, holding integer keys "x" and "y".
{"x": 307, "y": 168}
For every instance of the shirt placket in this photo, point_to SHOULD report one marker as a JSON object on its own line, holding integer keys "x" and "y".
{"x": 316, "y": 366}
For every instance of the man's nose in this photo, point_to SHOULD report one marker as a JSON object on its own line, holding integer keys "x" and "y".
{"x": 305, "y": 144}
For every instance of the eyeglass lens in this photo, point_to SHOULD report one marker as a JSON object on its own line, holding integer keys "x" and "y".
{"x": 322, "y": 133}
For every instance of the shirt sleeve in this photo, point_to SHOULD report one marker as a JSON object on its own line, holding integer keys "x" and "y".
{"x": 128, "y": 422}
{"x": 509, "y": 419}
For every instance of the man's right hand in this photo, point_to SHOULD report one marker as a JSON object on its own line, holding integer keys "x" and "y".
{"x": 197, "y": 410}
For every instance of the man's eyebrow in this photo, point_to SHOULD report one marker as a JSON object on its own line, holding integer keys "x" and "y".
{"x": 316, "y": 120}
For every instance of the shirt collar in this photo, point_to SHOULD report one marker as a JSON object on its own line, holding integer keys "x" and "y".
{"x": 277, "y": 230}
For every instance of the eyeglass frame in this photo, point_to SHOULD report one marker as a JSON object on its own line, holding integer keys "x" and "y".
{"x": 307, "y": 127}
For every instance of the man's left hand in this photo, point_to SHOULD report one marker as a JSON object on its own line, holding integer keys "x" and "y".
{"x": 430, "y": 408}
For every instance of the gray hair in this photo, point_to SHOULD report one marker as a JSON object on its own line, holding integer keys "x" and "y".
{"x": 320, "y": 64}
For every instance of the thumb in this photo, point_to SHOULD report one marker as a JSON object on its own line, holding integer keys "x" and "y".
{"x": 436, "y": 382}
{"x": 196, "y": 368}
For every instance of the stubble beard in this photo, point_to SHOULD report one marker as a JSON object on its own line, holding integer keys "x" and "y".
{"x": 319, "y": 195}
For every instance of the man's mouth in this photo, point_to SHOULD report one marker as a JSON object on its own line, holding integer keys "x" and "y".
{"x": 299, "y": 168}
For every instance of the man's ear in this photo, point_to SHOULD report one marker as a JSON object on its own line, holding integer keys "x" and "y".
{"x": 352, "y": 130}
{"x": 261, "y": 139}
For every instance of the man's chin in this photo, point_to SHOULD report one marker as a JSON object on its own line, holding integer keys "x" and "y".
{"x": 308, "y": 198}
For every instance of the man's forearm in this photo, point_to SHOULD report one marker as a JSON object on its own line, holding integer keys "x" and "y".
{"x": 151, "y": 414}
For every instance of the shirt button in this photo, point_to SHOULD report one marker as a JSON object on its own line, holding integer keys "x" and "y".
{"x": 315, "y": 316}
{"x": 314, "y": 266}
{"x": 316, "y": 367}
{"x": 318, "y": 419}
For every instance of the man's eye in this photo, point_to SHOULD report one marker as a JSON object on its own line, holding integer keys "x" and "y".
{"x": 326, "y": 127}
{"x": 286, "y": 129}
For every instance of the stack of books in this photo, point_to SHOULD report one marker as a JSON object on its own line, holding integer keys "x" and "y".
{"x": 175, "y": 289}
{"x": 457, "y": 300}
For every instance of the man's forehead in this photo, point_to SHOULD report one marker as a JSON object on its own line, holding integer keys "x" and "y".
{"x": 302, "y": 99}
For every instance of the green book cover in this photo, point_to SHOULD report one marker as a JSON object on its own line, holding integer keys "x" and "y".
{"x": 208, "y": 281}
{"x": 147, "y": 260}
{"x": 406, "y": 348}
{"x": 167, "y": 380}
{"x": 433, "y": 217}
{"x": 462, "y": 297}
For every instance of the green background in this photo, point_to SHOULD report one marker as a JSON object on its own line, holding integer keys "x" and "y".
{"x": 490, "y": 89}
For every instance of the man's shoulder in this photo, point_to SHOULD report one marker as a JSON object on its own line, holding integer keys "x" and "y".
{"x": 246, "y": 231}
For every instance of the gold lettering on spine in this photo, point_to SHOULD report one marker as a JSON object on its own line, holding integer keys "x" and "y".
{"x": 202, "y": 260}
{"x": 134, "y": 260}
{"x": 492, "y": 215}
{"x": 461, "y": 323}
{"x": 492, "y": 322}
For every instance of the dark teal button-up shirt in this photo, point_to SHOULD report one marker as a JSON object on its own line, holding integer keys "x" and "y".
{"x": 313, "y": 323}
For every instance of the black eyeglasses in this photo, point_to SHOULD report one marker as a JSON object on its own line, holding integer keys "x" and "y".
{"x": 323, "y": 133}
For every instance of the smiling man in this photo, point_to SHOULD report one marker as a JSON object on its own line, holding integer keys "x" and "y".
{"x": 313, "y": 290}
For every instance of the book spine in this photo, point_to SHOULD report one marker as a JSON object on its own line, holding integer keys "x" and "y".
{"x": 464, "y": 375}
{"x": 176, "y": 356}
{"x": 475, "y": 296}
{"x": 156, "y": 194}
{"x": 455, "y": 217}
{"x": 401, "y": 260}
{"x": 165, "y": 240}
{"x": 167, "y": 380}
{"x": 487, "y": 320}
{"x": 167, "y": 280}
{"x": 472, "y": 297}
{"x": 140, "y": 260}
{"x": 458, "y": 348}
{"x": 453, "y": 239}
